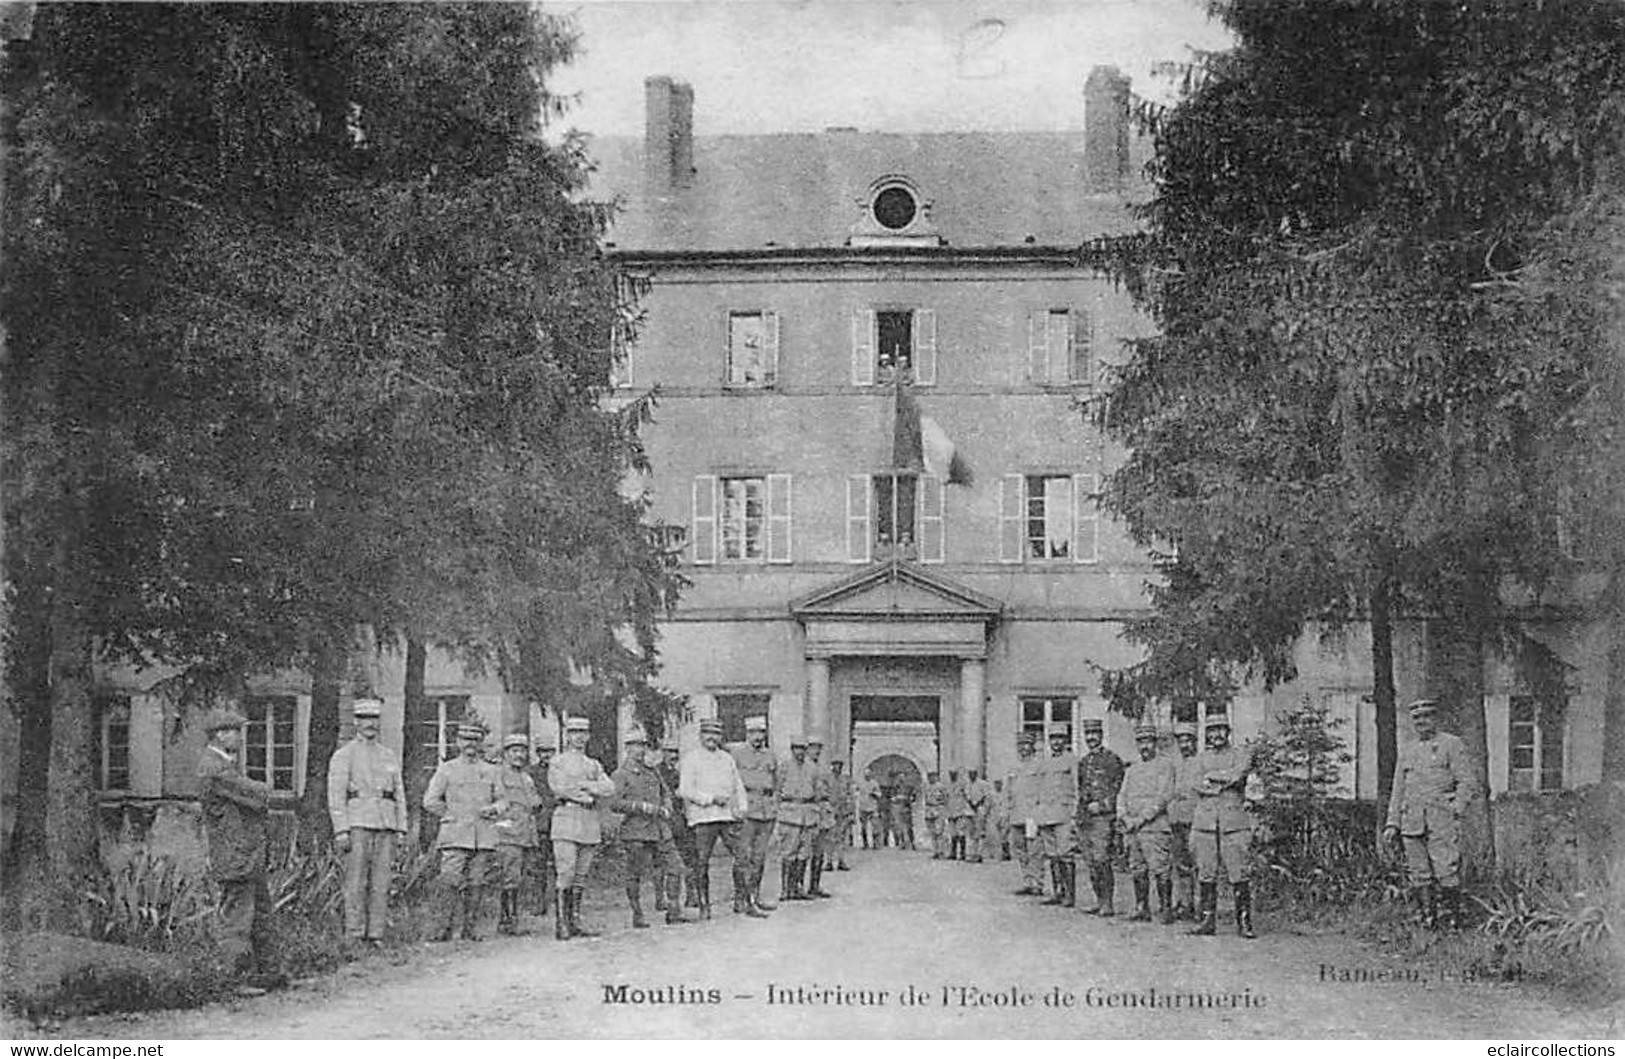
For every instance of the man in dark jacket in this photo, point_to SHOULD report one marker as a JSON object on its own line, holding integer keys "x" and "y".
{"x": 234, "y": 816}
{"x": 645, "y": 804}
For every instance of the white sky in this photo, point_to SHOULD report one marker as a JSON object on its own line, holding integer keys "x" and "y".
{"x": 887, "y": 65}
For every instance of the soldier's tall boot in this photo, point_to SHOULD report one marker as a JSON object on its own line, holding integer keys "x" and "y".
{"x": 1057, "y": 884}
{"x": 1427, "y": 909}
{"x": 634, "y": 897}
{"x": 1184, "y": 907}
{"x": 448, "y": 907}
{"x": 674, "y": 899}
{"x": 1142, "y": 900}
{"x": 508, "y": 912}
{"x": 1165, "y": 900}
{"x": 660, "y": 893}
{"x": 473, "y": 911}
{"x": 576, "y": 928}
{"x": 561, "y": 914}
{"x": 741, "y": 887}
{"x": 1094, "y": 887}
{"x": 1244, "y": 910}
{"x": 756, "y": 901}
{"x": 703, "y": 882}
{"x": 1207, "y": 910}
{"x": 691, "y": 889}
{"x": 817, "y": 887}
{"x": 1069, "y": 880}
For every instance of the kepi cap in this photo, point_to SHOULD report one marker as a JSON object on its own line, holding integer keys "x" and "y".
{"x": 1185, "y": 728}
{"x": 1058, "y": 730}
{"x": 1218, "y": 720}
{"x": 1145, "y": 731}
{"x": 517, "y": 739}
{"x": 1093, "y": 724}
{"x": 577, "y": 724}
{"x": 711, "y": 724}
{"x": 1424, "y": 707}
{"x": 755, "y": 724}
{"x": 470, "y": 731}
{"x": 367, "y": 707}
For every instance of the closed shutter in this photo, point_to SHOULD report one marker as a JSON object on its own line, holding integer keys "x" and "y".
{"x": 778, "y": 518}
{"x": 929, "y": 501}
{"x": 1085, "y": 519}
{"x": 1082, "y": 367}
{"x": 863, "y": 347}
{"x": 1038, "y": 348}
{"x": 703, "y": 534}
{"x": 301, "y": 742}
{"x": 1012, "y": 518}
{"x": 859, "y": 535}
{"x": 770, "y": 349}
{"x": 925, "y": 347}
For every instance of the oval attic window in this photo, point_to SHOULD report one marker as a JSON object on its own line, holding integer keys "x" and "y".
{"x": 894, "y": 208}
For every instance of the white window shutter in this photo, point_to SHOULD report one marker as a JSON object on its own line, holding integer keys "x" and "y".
{"x": 929, "y": 501}
{"x": 778, "y": 518}
{"x": 1082, "y": 368}
{"x": 859, "y": 535}
{"x": 1060, "y": 346}
{"x": 1038, "y": 348}
{"x": 1012, "y": 518}
{"x": 1085, "y": 519}
{"x": 925, "y": 347}
{"x": 301, "y": 742}
{"x": 702, "y": 538}
{"x": 770, "y": 351}
{"x": 863, "y": 347}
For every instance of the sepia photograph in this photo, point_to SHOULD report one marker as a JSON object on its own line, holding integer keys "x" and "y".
{"x": 880, "y": 520}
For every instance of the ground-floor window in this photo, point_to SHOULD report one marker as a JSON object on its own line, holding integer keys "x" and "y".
{"x": 1535, "y": 744}
{"x": 444, "y": 714}
{"x": 113, "y": 729}
{"x": 271, "y": 741}
{"x": 734, "y": 707}
{"x": 1039, "y": 712}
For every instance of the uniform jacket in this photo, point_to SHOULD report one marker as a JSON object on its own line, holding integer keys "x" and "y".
{"x": 979, "y": 793}
{"x": 1057, "y": 776}
{"x": 958, "y": 803}
{"x": 1142, "y": 801}
{"x": 798, "y": 793}
{"x": 936, "y": 800}
{"x": 517, "y": 824}
{"x": 670, "y": 778}
{"x": 546, "y": 801}
{"x": 869, "y": 797}
{"x": 457, "y": 793}
{"x": 1183, "y": 806}
{"x": 1100, "y": 776}
{"x": 842, "y": 796}
{"x": 234, "y": 814}
{"x": 704, "y": 775}
{"x": 1432, "y": 784}
{"x": 824, "y": 786}
{"x": 364, "y": 787}
{"x": 758, "y": 770}
{"x": 1221, "y": 776}
{"x": 639, "y": 794}
{"x": 579, "y": 782}
{"x": 1022, "y": 785}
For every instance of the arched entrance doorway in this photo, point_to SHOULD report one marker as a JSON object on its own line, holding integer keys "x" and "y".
{"x": 900, "y": 782}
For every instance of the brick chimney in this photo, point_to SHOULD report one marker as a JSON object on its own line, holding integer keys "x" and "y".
{"x": 1105, "y": 129}
{"x": 668, "y": 134}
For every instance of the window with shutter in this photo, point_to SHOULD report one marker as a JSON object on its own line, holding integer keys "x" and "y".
{"x": 1086, "y": 518}
{"x": 931, "y": 524}
{"x": 1082, "y": 366}
{"x": 925, "y": 347}
{"x": 857, "y": 518}
{"x": 742, "y": 519}
{"x": 752, "y": 353}
{"x": 702, "y": 539}
{"x": 778, "y": 518}
{"x": 1059, "y": 346}
{"x": 1012, "y": 518}
{"x": 113, "y": 714}
{"x": 863, "y": 347}
{"x": 1037, "y": 348}
{"x": 270, "y": 741}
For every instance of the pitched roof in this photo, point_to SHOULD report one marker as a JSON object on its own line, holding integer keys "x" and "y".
{"x": 803, "y": 190}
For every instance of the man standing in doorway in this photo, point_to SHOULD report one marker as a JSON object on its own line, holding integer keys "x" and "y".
{"x": 959, "y": 816}
{"x": 367, "y": 801}
{"x": 580, "y": 783}
{"x": 758, "y": 770}
{"x": 716, "y": 801}
{"x": 1100, "y": 775}
{"x": 936, "y": 815}
{"x": 869, "y": 807}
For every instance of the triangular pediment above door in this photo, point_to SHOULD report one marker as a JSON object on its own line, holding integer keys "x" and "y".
{"x": 896, "y": 590}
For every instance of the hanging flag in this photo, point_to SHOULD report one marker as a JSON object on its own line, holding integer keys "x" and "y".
{"x": 920, "y": 444}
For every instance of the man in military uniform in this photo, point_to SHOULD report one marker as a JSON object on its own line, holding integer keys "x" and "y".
{"x": 516, "y": 828}
{"x": 715, "y": 800}
{"x": 998, "y": 821}
{"x": 645, "y": 804}
{"x": 959, "y": 816}
{"x": 367, "y": 801}
{"x": 579, "y": 783}
{"x": 824, "y": 787}
{"x": 1142, "y": 810}
{"x": 1221, "y": 827}
{"x": 541, "y": 861}
{"x": 842, "y": 798}
{"x": 936, "y": 815}
{"x": 235, "y": 809}
{"x": 902, "y": 812}
{"x": 1021, "y": 788}
{"x": 1180, "y": 812}
{"x": 979, "y": 796}
{"x": 682, "y": 835}
{"x": 796, "y": 830}
{"x": 869, "y": 808}
{"x": 465, "y": 793}
{"x": 1100, "y": 775}
{"x": 1055, "y": 812}
{"x": 758, "y": 768}
{"x": 1432, "y": 787}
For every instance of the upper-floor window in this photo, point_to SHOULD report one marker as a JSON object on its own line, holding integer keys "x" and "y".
{"x": 271, "y": 741}
{"x": 1534, "y": 744}
{"x": 1059, "y": 347}
{"x": 753, "y": 349}
{"x": 1048, "y": 518}
{"x": 887, "y": 342}
{"x": 1039, "y": 713}
{"x": 894, "y": 516}
{"x": 113, "y": 720}
{"x": 741, "y": 519}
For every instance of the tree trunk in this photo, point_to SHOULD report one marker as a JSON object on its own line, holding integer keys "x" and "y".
{"x": 1458, "y": 682}
{"x": 416, "y": 760}
{"x": 1613, "y": 705}
{"x": 1382, "y": 690}
{"x": 70, "y": 811}
{"x": 327, "y": 669}
{"x": 25, "y": 881}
